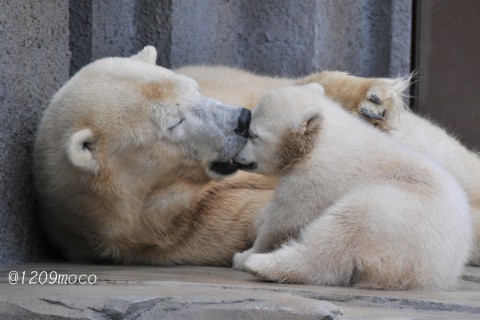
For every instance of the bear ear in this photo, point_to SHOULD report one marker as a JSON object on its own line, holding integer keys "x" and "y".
{"x": 311, "y": 120}
{"x": 81, "y": 150}
{"x": 147, "y": 54}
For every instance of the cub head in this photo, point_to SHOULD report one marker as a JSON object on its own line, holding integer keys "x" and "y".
{"x": 283, "y": 129}
{"x": 122, "y": 127}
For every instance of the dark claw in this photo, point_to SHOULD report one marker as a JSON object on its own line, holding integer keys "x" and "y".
{"x": 376, "y": 100}
{"x": 371, "y": 115}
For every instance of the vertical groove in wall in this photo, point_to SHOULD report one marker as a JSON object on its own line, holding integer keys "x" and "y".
{"x": 414, "y": 53}
{"x": 80, "y": 26}
{"x": 153, "y": 22}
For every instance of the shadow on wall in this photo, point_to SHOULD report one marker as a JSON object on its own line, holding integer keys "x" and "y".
{"x": 288, "y": 38}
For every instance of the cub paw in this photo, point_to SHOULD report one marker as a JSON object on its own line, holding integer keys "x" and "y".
{"x": 264, "y": 266}
{"x": 239, "y": 260}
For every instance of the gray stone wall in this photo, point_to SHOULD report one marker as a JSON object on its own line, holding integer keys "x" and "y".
{"x": 294, "y": 38}
{"x": 282, "y": 37}
{"x": 34, "y": 59}
{"x": 102, "y": 28}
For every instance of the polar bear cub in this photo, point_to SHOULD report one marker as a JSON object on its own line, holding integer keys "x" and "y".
{"x": 357, "y": 207}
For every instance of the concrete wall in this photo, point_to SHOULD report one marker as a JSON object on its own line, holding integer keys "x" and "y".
{"x": 283, "y": 37}
{"x": 34, "y": 59}
{"x": 102, "y": 28}
{"x": 294, "y": 38}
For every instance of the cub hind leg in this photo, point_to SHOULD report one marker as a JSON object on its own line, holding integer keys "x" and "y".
{"x": 375, "y": 237}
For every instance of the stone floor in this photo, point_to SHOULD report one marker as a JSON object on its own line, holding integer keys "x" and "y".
{"x": 131, "y": 292}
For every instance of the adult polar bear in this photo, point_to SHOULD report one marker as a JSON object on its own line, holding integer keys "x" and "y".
{"x": 125, "y": 162}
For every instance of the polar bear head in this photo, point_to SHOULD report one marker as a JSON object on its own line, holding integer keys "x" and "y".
{"x": 117, "y": 109}
{"x": 122, "y": 127}
{"x": 283, "y": 130}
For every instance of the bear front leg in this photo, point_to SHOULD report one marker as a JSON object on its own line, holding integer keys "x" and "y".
{"x": 376, "y": 100}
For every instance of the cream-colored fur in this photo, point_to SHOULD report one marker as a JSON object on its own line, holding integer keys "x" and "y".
{"x": 368, "y": 210}
{"x": 424, "y": 136}
{"x": 358, "y": 96}
{"x": 123, "y": 157}
{"x": 355, "y": 94}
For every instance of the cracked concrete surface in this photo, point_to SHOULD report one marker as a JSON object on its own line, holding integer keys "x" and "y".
{"x": 139, "y": 292}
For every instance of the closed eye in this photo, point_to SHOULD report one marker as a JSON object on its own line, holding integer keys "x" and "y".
{"x": 177, "y": 124}
{"x": 252, "y": 135}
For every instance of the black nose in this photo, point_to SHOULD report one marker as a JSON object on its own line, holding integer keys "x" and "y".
{"x": 243, "y": 123}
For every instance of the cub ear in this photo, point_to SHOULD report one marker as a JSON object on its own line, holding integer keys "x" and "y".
{"x": 316, "y": 87}
{"x": 81, "y": 150}
{"x": 311, "y": 120}
{"x": 147, "y": 54}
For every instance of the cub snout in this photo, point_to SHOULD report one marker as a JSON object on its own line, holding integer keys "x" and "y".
{"x": 245, "y": 161}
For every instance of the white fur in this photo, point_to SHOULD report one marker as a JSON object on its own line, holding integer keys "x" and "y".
{"x": 366, "y": 210}
{"x": 433, "y": 141}
{"x": 425, "y": 137}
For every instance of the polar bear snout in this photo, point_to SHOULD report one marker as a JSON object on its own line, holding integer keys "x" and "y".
{"x": 243, "y": 123}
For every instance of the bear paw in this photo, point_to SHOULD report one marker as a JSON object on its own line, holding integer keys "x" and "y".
{"x": 382, "y": 101}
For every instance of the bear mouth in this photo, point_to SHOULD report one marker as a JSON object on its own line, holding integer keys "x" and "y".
{"x": 224, "y": 168}
{"x": 252, "y": 166}
{"x": 230, "y": 167}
